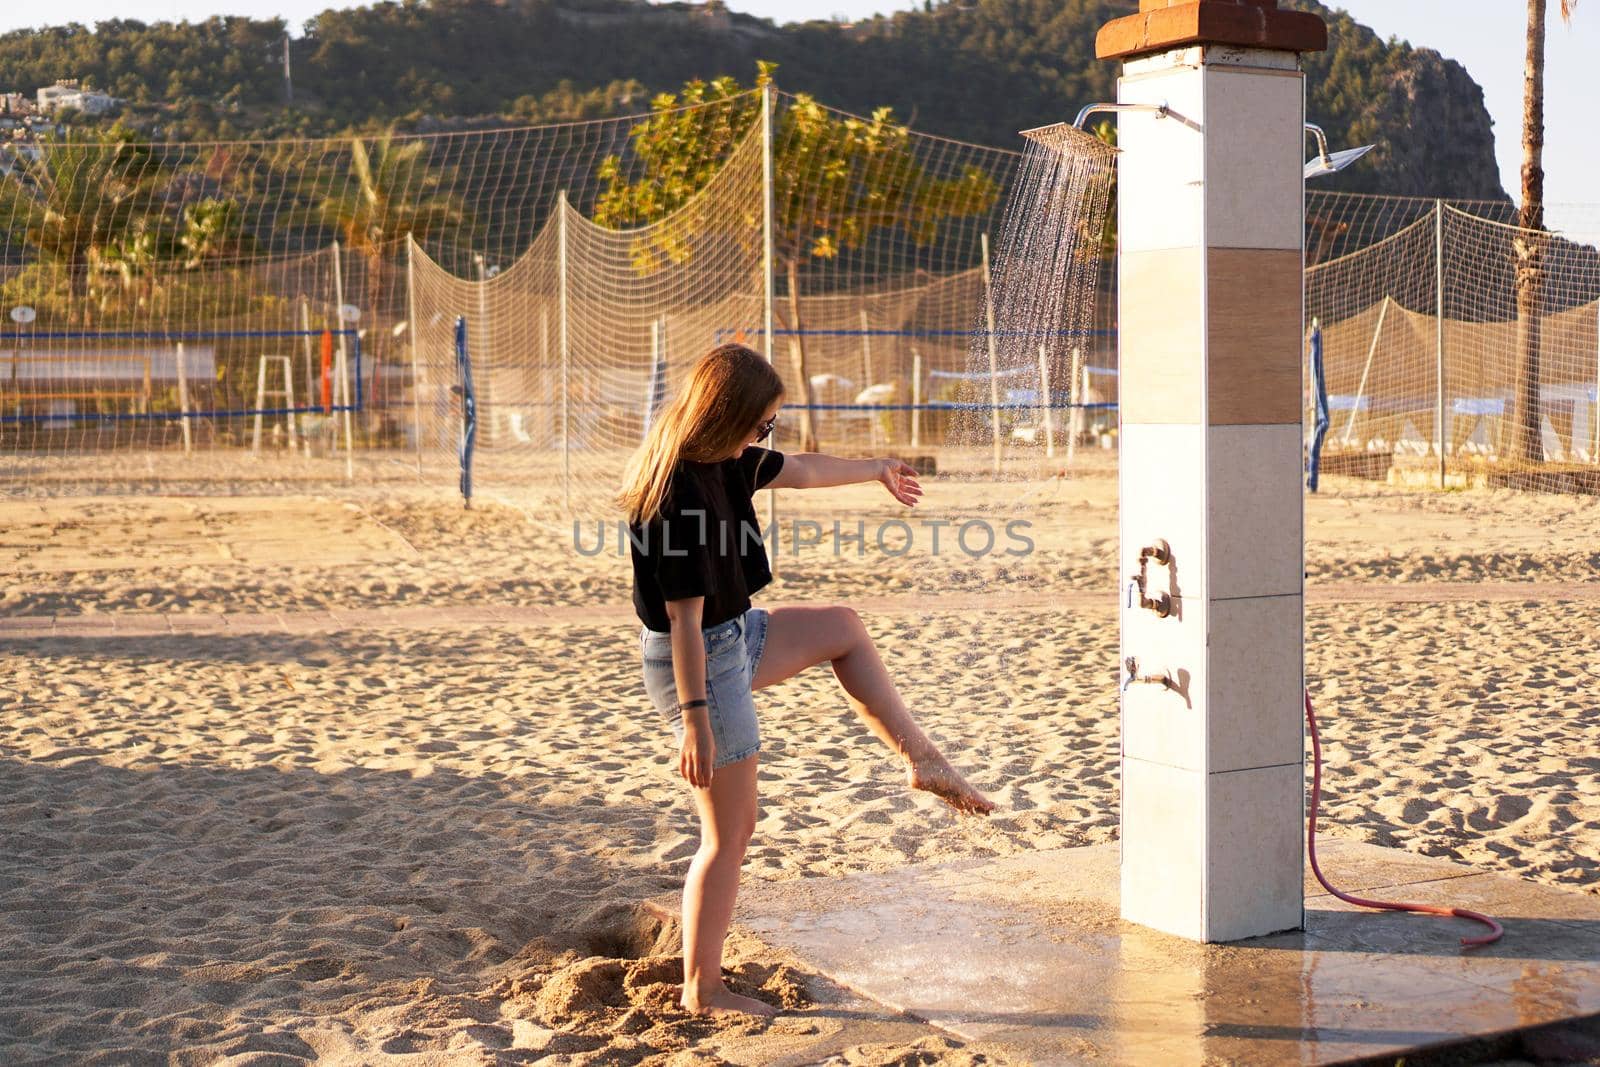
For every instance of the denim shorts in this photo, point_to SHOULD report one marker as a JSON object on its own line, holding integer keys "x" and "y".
{"x": 733, "y": 649}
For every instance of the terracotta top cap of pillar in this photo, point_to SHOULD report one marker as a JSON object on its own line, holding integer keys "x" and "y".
{"x": 1161, "y": 25}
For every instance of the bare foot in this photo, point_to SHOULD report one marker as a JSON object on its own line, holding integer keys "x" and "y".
{"x": 726, "y": 1002}
{"x": 938, "y": 777}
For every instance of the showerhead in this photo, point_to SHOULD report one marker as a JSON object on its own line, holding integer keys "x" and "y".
{"x": 1064, "y": 137}
{"x": 1332, "y": 164}
{"x": 1325, "y": 163}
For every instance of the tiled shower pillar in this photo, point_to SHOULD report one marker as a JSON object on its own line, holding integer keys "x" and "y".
{"x": 1211, "y": 205}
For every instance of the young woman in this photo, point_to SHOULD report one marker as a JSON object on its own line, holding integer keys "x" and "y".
{"x": 697, "y": 557}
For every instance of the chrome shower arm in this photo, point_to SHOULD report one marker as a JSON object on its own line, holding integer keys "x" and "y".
{"x": 1322, "y": 139}
{"x": 1083, "y": 116}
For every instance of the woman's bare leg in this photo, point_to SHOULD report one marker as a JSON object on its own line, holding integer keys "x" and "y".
{"x": 801, "y": 636}
{"x": 727, "y": 819}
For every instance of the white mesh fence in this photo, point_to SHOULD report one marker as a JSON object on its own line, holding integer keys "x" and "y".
{"x": 1432, "y": 367}
{"x": 176, "y": 296}
{"x": 574, "y": 344}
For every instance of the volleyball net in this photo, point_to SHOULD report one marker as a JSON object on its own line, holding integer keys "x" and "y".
{"x": 1441, "y": 370}
{"x": 243, "y": 316}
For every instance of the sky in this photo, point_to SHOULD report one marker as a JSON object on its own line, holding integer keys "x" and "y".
{"x": 1486, "y": 36}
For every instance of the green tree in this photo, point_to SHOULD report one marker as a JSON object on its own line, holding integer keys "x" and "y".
{"x": 1529, "y": 245}
{"x": 836, "y": 180}
{"x": 389, "y": 191}
{"x": 212, "y": 230}
{"x": 87, "y": 204}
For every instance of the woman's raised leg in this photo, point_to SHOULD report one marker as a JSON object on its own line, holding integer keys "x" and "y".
{"x": 727, "y": 819}
{"x": 801, "y": 636}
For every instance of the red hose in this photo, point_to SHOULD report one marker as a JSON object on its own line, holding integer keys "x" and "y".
{"x": 1311, "y": 847}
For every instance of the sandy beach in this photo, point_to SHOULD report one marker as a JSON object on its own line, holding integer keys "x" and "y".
{"x": 427, "y": 836}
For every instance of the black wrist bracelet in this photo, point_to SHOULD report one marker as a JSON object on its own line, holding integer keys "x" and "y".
{"x": 684, "y": 705}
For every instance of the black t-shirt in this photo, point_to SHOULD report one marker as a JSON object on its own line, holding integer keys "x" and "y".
{"x": 706, "y": 541}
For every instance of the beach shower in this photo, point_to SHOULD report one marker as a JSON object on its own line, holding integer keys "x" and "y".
{"x": 1210, "y": 244}
{"x": 1210, "y": 168}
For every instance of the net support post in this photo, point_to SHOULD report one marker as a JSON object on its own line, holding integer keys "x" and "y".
{"x": 309, "y": 349}
{"x": 768, "y": 282}
{"x": 1211, "y": 257}
{"x": 415, "y": 344}
{"x": 485, "y": 345}
{"x": 994, "y": 381}
{"x": 565, "y": 346}
{"x": 342, "y": 367}
{"x": 182, "y": 370}
{"x": 1438, "y": 334}
{"x": 291, "y": 420}
{"x": 342, "y": 404}
{"x": 261, "y": 396}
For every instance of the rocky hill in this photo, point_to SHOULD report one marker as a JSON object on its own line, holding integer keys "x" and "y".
{"x": 977, "y": 70}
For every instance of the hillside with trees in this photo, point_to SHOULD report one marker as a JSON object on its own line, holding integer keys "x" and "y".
{"x": 977, "y": 71}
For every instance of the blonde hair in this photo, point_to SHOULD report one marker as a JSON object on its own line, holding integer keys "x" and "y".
{"x": 728, "y": 391}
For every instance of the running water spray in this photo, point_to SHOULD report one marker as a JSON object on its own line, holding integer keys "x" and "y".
{"x": 1013, "y": 421}
{"x": 1028, "y": 347}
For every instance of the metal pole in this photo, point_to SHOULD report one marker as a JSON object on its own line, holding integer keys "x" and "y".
{"x": 1044, "y": 404}
{"x": 1596, "y": 452}
{"x": 288, "y": 389}
{"x": 310, "y": 346}
{"x": 994, "y": 381}
{"x": 1361, "y": 390}
{"x": 485, "y": 345}
{"x": 183, "y": 400}
{"x": 343, "y": 369}
{"x": 1077, "y": 394}
{"x": 566, "y": 413}
{"x": 767, "y": 282}
{"x": 261, "y": 393}
{"x": 1438, "y": 341}
{"x": 916, "y": 398}
{"x": 411, "y": 331}
{"x": 342, "y": 400}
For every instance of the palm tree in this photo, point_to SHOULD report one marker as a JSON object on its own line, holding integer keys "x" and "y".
{"x": 82, "y": 203}
{"x": 390, "y": 191}
{"x": 1529, "y": 244}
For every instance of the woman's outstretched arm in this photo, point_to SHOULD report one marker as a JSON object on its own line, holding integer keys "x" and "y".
{"x": 817, "y": 470}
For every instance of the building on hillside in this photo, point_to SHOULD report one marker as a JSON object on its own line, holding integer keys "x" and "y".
{"x": 68, "y": 92}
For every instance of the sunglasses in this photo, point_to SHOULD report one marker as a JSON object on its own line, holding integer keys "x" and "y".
{"x": 765, "y": 429}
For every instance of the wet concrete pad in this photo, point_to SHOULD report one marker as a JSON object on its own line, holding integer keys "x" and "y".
{"x": 1029, "y": 952}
